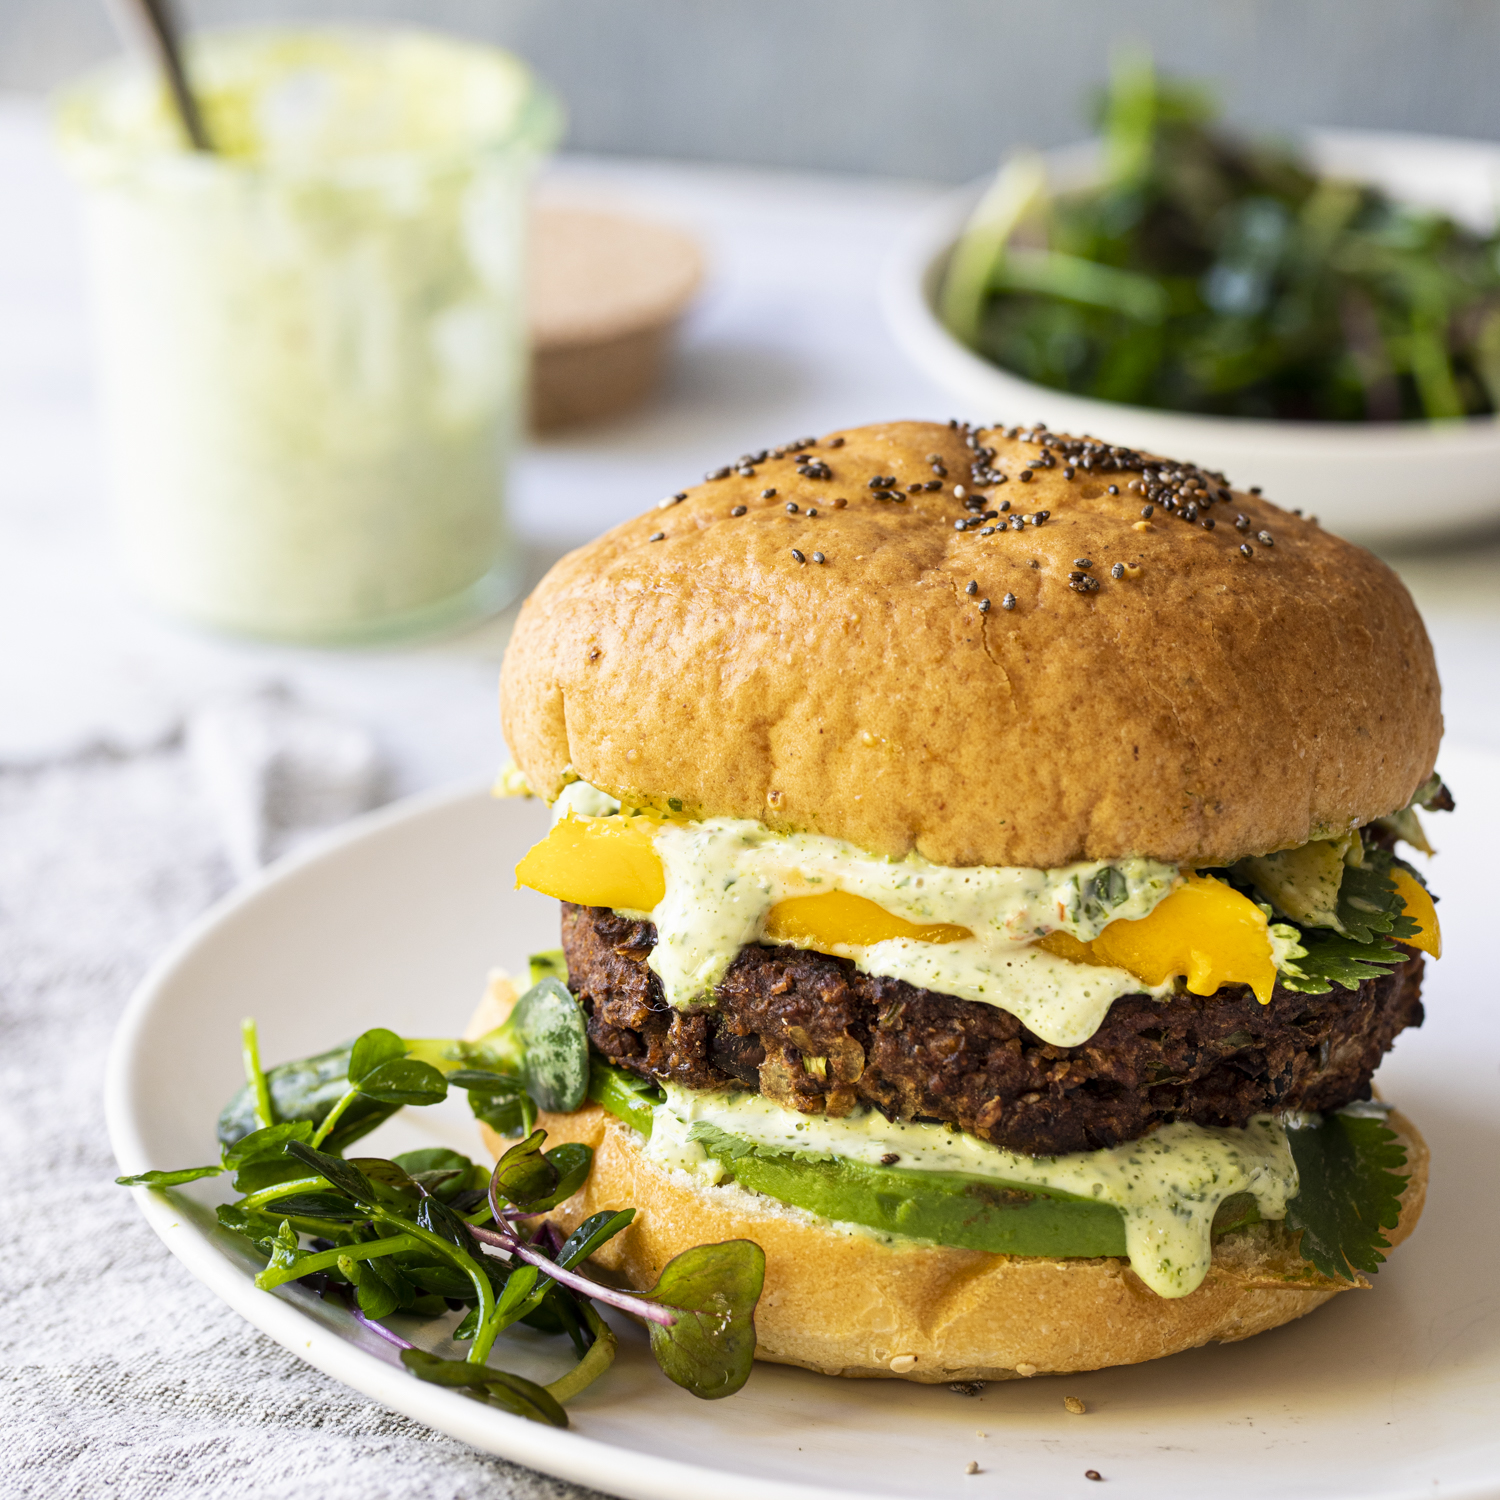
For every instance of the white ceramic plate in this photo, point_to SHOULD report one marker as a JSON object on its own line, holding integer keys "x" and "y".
{"x": 1383, "y": 1395}
{"x": 1371, "y": 482}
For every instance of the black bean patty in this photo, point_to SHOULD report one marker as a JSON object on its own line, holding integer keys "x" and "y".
{"x": 814, "y": 1034}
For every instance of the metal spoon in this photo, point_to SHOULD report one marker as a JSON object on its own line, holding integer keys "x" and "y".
{"x": 161, "y": 30}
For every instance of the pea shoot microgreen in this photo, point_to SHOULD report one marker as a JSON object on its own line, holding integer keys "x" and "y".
{"x": 429, "y": 1232}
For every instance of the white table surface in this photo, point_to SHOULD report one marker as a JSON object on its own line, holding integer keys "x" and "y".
{"x": 786, "y": 339}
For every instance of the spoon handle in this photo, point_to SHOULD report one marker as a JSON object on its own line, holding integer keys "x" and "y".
{"x": 161, "y": 28}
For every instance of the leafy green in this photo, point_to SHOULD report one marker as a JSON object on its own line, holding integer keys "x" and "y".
{"x": 1349, "y": 1192}
{"x": 536, "y": 1180}
{"x": 553, "y": 964}
{"x": 1369, "y": 903}
{"x": 512, "y": 1393}
{"x": 709, "y": 1347}
{"x": 1333, "y": 960}
{"x": 341, "y": 1175}
{"x": 1209, "y": 274}
{"x": 545, "y": 1042}
{"x": 372, "y": 1049}
{"x": 406, "y": 1234}
{"x": 626, "y": 1095}
{"x": 1369, "y": 908}
{"x": 500, "y": 1100}
{"x": 267, "y": 1144}
{"x": 168, "y": 1179}
{"x": 308, "y": 1090}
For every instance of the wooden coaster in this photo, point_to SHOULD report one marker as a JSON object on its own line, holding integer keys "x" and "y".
{"x": 606, "y": 292}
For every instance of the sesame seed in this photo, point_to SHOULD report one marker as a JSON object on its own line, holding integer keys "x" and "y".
{"x": 972, "y": 1467}
{"x": 1117, "y": 571}
{"x": 1092, "y": 1474}
{"x": 1068, "y": 472}
{"x": 1245, "y": 550}
{"x": 717, "y": 474}
{"x": 791, "y": 507}
{"x": 914, "y": 488}
{"x": 1207, "y": 523}
{"x": 811, "y": 512}
{"x": 1024, "y": 476}
{"x": 840, "y": 503}
{"x": 768, "y": 494}
{"x": 798, "y": 556}
{"x": 1074, "y": 1405}
{"x": 889, "y": 1159}
{"x": 680, "y": 495}
{"x": 931, "y": 485}
{"x": 1148, "y": 511}
{"x": 1082, "y": 562}
{"x": 1242, "y": 523}
{"x": 1017, "y": 523}
{"x": 1040, "y": 517}
{"x": 1255, "y": 489}
{"x": 987, "y": 531}
{"x": 656, "y": 536}
{"x": 818, "y": 557}
{"x": 1004, "y": 506}
{"x": 984, "y": 606}
{"x": 1114, "y": 489}
{"x": 971, "y": 587}
{"x": 959, "y": 492}
{"x": 1265, "y": 538}
{"x": 739, "y": 510}
{"x": 960, "y": 525}
{"x": 1008, "y": 602}
{"x": 835, "y": 442}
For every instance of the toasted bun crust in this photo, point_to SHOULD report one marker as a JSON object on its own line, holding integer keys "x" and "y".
{"x": 1206, "y": 706}
{"x": 844, "y": 1302}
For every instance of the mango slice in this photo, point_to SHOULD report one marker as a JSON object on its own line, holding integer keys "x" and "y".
{"x": 1419, "y": 906}
{"x": 1205, "y": 930}
{"x": 597, "y": 862}
{"x": 838, "y": 918}
{"x": 1075, "y": 950}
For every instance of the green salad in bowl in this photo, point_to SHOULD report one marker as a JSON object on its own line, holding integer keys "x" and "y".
{"x": 1199, "y": 272}
{"x": 1319, "y": 318}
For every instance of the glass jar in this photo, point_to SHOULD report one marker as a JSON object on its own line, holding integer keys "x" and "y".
{"x": 312, "y": 340}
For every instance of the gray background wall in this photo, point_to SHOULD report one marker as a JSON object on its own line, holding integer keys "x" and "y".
{"x": 927, "y": 88}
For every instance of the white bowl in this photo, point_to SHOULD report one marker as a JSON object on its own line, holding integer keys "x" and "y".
{"x": 1375, "y": 482}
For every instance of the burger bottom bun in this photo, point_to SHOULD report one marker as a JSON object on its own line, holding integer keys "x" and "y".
{"x": 844, "y": 1301}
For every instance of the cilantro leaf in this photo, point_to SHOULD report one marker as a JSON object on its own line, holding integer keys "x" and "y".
{"x": 1348, "y": 1192}
{"x": 1329, "y": 959}
{"x": 1369, "y": 903}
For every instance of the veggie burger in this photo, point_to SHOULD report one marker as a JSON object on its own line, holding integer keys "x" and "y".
{"x": 981, "y": 862}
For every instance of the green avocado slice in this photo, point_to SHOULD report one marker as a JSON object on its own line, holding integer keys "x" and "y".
{"x": 945, "y": 1208}
{"x": 973, "y": 1213}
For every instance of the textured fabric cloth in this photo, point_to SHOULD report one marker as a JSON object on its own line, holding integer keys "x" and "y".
{"x": 121, "y": 1375}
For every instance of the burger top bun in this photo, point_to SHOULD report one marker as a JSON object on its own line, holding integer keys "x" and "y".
{"x": 875, "y": 673}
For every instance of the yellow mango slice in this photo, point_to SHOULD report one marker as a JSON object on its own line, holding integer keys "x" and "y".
{"x": 1206, "y": 931}
{"x": 1065, "y": 945}
{"x": 1419, "y": 906}
{"x": 597, "y": 862}
{"x": 838, "y": 918}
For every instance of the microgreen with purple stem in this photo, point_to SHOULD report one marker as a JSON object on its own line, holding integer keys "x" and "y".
{"x": 418, "y": 1234}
